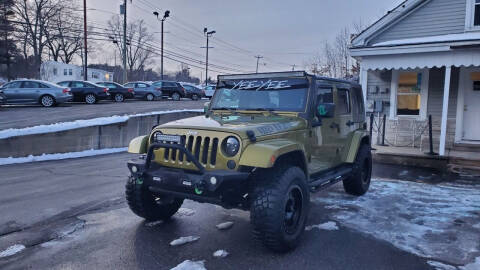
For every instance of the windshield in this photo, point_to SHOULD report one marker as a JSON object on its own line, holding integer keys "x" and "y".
{"x": 257, "y": 95}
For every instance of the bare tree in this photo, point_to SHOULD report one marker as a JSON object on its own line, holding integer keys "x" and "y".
{"x": 342, "y": 45}
{"x": 138, "y": 52}
{"x": 36, "y": 17}
{"x": 65, "y": 38}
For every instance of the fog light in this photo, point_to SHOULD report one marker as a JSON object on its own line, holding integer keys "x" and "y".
{"x": 213, "y": 180}
{"x": 134, "y": 169}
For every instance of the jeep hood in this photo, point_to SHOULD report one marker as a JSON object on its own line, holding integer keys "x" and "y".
{"x": 239, "y": 124}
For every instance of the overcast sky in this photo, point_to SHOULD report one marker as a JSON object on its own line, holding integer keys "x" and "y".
{"x": 285, "y": 32}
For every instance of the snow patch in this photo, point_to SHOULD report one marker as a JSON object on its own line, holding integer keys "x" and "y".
{"x": 328, "y": 226}
{"x": 225, "y": 225}
{"x": 441, "y": 266}
{"x": 185, "y": 212}
{"x": 60, "y": 156}
{"x": 432, "y": 221}
{"x": 184, "y": 240}
{"x": 62, "y": 126}
{"x": 12, "y": 250}
{"x": 472, "y": 266}
{"x": 333, "y": 207}
{"x": 432, "y": 39}
{"x": 153, "y": 223}
{"x": 220, "y": 253}
{"x": 190, "y": 265}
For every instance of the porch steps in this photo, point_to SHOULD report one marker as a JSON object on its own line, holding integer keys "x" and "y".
{"x": 464, "y": 147}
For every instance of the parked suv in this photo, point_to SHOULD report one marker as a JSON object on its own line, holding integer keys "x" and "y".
{"x": 36, "y": 92}
{"x": 88, "y": 92}
{"x": 171, "y": 89}
{"x": 145, "y": 90}
{"x": 265, "y": 142}
{"x": 118, "y": 92}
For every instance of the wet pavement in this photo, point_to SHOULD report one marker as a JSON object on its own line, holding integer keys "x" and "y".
{"x": 71, "y": 214}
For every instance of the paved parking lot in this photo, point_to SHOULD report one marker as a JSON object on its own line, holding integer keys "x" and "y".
{"x": 69, "y": 214}
{"x": 19, "y": 116}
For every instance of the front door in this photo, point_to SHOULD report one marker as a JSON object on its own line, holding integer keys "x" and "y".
{"x": 471, "y": 114}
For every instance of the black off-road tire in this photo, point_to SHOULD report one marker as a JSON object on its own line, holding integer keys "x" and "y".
{"x": 359, "y": 182}
{"x": 270, "y": 204}
{"x": 142, "y": 202}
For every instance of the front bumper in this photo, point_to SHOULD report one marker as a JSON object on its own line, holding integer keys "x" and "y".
{"x": 199, "y": 185}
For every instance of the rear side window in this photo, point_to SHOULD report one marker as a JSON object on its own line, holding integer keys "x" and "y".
{"x": 358, "y": 108}
{"x": 142, "y": 85}
{"x": 64, "y": 84}
{"x": 129, "y": 85}
{"x": 169, "y": 84}
{"x": 157, "y": 84}
{"x": 28, "y": 84}
{"x": 77, "y": 84}
{"x": 343, "y": 101}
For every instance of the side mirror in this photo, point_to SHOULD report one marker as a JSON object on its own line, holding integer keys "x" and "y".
{"x": 325, "y": 110}
{"x": 205, "y": 107}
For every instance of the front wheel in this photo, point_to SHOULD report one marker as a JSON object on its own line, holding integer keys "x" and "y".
{"x": 150, "y": 97}
{"x": 176, "y": 96}
{"x": 280, "y": 208}
{"x": 144, "y": 204}
{"x": 359, "y": 182}
{"x": 90, "y": 99}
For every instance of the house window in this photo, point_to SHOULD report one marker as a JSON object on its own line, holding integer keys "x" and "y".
{"x": 476, "y": 13}
{"x": 65, "y": 72}
{"x": 55, "y": 71}
{"x": 409, "y": 93}
{"x": 70, "y": 72}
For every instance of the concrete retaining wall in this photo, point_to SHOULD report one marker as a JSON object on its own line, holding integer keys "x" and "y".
{"x": 96, "y": 137}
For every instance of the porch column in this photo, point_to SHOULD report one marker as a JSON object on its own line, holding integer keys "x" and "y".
{"x": 364, "y": 82}
{"x": 446, "y": 95}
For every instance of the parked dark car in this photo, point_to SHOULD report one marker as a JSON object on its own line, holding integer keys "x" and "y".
{"x": 3, "y": 98}
{"x": 193, "y": 92}
{"x": 171, "y": 89}
{"x": 117, "y": 91}
{"x": 144, "y": 90}
{"x": 88, "y": 92}
{"x": 35, "y": 92}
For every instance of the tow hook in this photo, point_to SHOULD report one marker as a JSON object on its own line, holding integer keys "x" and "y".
{"x": 200, "y": 187}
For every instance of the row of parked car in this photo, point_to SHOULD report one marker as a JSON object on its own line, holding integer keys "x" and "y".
{"x": 50, "y": 94}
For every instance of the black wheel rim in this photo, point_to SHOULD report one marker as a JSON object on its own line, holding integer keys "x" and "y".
{"x": 293, "y": 209}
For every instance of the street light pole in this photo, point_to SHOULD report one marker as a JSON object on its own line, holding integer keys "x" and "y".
{"x": 124, "y": 41}
{"x": 258, "y": 60}
{"x": 165, "y": 16}
{"x": 85, "y": 74}
{"x": 208, "y": 35}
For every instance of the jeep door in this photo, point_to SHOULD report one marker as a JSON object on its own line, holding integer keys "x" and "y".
{"x": 344, "y": 119}
{"x": 324, "y": 132}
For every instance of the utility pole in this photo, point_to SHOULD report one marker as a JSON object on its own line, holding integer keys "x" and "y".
{"x": 124, "y": 10}
{"x": 165, "y": 16}
{"x": 293, "y": 67}
{"x": 85, "y": 74}
{"x": 258, "y": 60}
{"x": 208, "y": 35}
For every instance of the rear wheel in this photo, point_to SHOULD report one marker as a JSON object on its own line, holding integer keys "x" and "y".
{"x": 176, "y": 96}
{"x": 149, "y": 97}
{"x": 119, "y": 97}
{"x": 195, "y": 97}
{"x": 47, "y": 101}
{"x": 359, "y": 182}
{"x": 144, "y": 204}
{"x": 280, "y": 207}
{"x": 90, "y": 99}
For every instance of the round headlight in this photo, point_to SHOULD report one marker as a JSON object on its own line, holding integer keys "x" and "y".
{"x": 231, "y": 145}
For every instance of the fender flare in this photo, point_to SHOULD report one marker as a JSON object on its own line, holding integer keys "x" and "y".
{"x": 138, "y": 145}
{"x": 264, "y": 154}
{"x": 358, "y": 138}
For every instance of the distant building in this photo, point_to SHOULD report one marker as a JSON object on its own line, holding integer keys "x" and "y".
{"x": 56, "y": 72}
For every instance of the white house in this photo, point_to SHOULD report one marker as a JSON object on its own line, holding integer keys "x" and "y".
{"x": 423, "y": 58}
{"x": 56, "y": 72}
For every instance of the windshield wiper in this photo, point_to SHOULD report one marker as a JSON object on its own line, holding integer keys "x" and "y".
{"x": 272, "y": 111}
{"x": 224, "y": 109}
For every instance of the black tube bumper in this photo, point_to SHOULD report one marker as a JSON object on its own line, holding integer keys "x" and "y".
{"x": 201, "y": 185}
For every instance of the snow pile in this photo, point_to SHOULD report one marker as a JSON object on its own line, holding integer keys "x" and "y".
{"x": 59, "y": 156}
{"x": 62, "y": 126}
{"x": 472, "y": 266}
{"x": 225, "y": 225}
{"x": 441, "y": 266}
{"x": 12, "y": 250}
{"x": 432, "y": 221}
{"x": 184, "y": 240}
{"x": 153, "y": 223}
{"x": 328, "y": 226}
{"x": 432, "y": 39}
{"x": 190, "y": 265}
{"x": 185, "y": 212}
{"x": 220, "y": 253}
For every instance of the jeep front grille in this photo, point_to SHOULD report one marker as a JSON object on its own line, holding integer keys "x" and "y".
{"x": 205, "y": 149}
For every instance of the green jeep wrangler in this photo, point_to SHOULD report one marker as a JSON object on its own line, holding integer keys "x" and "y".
{"x": 265, "y": 142}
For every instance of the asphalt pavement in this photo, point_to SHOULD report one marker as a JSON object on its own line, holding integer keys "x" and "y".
{"x": 19, "y": 116}
{"x": 71, "y": 214}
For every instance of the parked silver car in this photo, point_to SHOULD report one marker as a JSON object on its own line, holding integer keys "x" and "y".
{"x": 144, "y": 90}
{"x": 44, "y": 93}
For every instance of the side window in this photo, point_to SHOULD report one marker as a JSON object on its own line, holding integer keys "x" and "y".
{"x": 129, "y": 85}
{"x": 87, "y": 85}
{"x": 358, "y": 108}
{"x": 476, "y": 15}
{"x": 141, "y": 85}
{"x": 170, "y": 84}
{"x": 343, "y": 101}
{"x": 28, "y": 84}
{"x": 77, "y": 85}
{"x": 64, "y": 84}
{"x": 111, "y": 85}
{"x": 325, "y": 94}
{"x": 158, "y": 84}
{"x": 13, "y": 85}
{"x": 41, "y": 85}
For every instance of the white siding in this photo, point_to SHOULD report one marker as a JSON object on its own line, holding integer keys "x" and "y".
{"x": 436, "y": 17}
